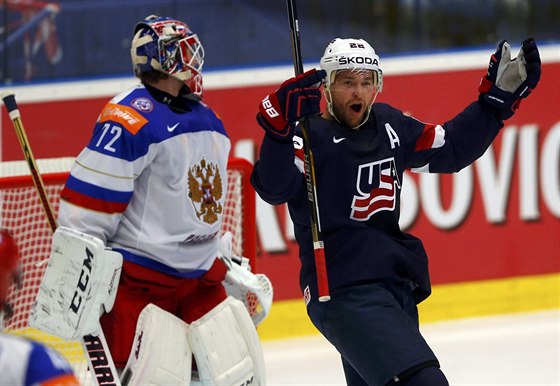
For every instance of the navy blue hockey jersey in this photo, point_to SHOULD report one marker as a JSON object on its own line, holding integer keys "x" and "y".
{"x": 359, "y": 177}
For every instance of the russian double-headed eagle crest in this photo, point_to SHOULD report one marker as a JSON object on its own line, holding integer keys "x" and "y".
{"x": 205, "y": 190}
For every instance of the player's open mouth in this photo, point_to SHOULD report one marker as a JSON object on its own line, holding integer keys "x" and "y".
{"x": 356, "y": 107}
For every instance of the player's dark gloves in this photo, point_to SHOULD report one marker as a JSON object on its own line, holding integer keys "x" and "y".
{"x": 509, "y": 81}
{"x": 296, "y": 98}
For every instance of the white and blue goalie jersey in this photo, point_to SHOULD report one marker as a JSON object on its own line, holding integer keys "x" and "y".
{"x": 152, "y": 181}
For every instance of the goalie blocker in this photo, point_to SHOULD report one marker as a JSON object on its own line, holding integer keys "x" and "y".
{"x": 79, "y": 284}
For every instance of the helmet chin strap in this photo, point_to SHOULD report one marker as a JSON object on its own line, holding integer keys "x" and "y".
{"x": 328, "y": 97}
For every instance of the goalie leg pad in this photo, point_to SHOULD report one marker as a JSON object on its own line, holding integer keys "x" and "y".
{"x": 80, "y": 282}
{"x": 160, "y": 353}
{"x": 226, "y": 347}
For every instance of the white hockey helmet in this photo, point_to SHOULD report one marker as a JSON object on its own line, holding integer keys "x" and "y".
{"x": 169, "y": 46}
{"x": 353, "y": 55}
{"x": 350, "y": 54}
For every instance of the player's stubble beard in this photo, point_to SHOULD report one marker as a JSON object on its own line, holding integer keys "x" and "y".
{"x": 349, "y": 117}
{"x": 346, "y": 116}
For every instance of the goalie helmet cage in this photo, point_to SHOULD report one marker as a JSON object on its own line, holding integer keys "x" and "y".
{"x": 21, "y": 212}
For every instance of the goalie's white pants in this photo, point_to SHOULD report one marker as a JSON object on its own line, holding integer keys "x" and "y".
{"x": 224, "y": 344}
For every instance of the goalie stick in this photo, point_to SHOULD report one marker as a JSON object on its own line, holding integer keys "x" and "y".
{"x": 98, "y": 355}
{"x": 318, "y": 245}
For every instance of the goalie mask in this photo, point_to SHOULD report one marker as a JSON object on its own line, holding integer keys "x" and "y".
{"x": 350, "y": 55}
{"x": 9, "y": 269}
{"x": 168, "y": 46}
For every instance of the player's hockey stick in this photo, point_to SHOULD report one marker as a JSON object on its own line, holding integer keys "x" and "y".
{"x": 98, "y": 355}
{"x": 13, "y": 111}
{"x": 318, "y": 245}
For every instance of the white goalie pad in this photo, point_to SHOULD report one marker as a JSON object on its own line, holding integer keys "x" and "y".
{"x": 254, "y": 290}
{"x": 80, "y": 282}
{"x": 226, "y": 347}
{"x": 160, "y": 354}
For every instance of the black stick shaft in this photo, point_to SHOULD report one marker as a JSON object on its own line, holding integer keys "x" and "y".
{"x": 318, "y": 245}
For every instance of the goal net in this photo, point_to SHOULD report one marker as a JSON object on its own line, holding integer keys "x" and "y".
{"x": 22, "y": 214}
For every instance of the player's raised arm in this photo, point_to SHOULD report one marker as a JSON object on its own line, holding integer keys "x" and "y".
{"x": 361, "y": 148}
{"x": 460, "y": 141}
{"x": 275, "y": 173}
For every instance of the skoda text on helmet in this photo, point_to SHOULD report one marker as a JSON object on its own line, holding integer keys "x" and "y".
{"x": 350, "y": 54}
{"x": 169, "y": 46}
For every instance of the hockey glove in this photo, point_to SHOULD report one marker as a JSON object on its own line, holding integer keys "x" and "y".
{"x": 509, "y": 81}
{"x": 296, "y": 98}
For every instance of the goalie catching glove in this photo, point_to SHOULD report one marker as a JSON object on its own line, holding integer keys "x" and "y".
{"x": 296, "y": 98}
{"x": 254, "y": 290}
{"x": 79, "y": 284}
{"x": 509, "y": 81}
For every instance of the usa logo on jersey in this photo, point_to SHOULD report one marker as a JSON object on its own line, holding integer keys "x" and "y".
{"x": 377, "y": 183}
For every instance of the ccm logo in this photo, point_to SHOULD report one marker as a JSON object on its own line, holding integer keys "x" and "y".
{"x": 83, "y": 282}
{"x": 272, "y": 113}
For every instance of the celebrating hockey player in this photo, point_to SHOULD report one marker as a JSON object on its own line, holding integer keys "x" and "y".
{"x": 149, "y": 189}
{"x": 376, "y": 273}
{"x": 24, "y": 362}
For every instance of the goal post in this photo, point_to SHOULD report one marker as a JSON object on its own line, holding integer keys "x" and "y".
{"x": 21, "y": 212}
